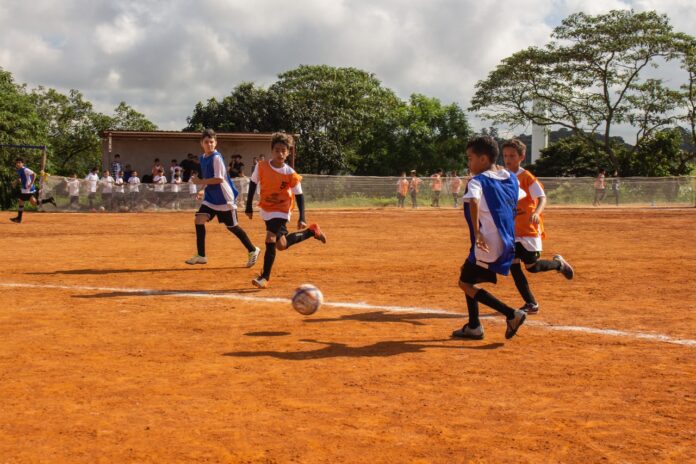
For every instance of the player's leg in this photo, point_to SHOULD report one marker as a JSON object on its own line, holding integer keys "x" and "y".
{"x": 20, "y": 211}
{"x": 522, "y": 255}
{"x": 273, "y": 227}
{"x": 558, "y": 263}
{"x": 203, "y": 215}
{"x": 472, "y": 274}
{"x": 232, "y": 224}
{"x": 289, "y": 239}
{"x": 413, "y": 199}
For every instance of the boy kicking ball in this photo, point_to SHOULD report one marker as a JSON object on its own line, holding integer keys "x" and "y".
{"x": 529, "y": 228}
{"x": 218, "y": 200}
{"x": 26, "y": 179}
{"x": 279, "y": 185}
{"x": 489, "y": 208}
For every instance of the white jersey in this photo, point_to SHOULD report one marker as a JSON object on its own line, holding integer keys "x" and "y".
{"x": 176, "y": 185}
{"x": 92, "y": 180}
{"x": 73, "y": 187}
{"x": 118, "y": 185}
{"x": 134, "y": 185}
{"x": 488, "y": 228}
{"x": 107, "y": 184}
{"x": 159, "y": 182}
{"x": 193, "y": 188}
{"x": 297, "y": 190}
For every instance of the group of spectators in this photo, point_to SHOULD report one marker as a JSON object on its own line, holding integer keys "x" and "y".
{"x": 439, "y": 183}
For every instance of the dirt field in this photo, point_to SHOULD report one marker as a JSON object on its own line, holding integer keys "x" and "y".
{"x": 95, "y": 366}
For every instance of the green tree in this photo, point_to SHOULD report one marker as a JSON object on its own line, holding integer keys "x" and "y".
{"x": 20, "y": 124}
{"x": 331, "y": 109}
{"x": 569, "y": 157}
{"x": 589, "y": 78}
{"x": 126, "y": 118}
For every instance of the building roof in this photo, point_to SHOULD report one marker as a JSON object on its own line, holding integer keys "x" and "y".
{"x": 236, "y": 136}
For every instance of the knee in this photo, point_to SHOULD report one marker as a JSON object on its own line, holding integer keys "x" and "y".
{"x": 532, "y": 267}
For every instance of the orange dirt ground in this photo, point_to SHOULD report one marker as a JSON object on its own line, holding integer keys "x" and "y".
{"x": 102, "y": 375}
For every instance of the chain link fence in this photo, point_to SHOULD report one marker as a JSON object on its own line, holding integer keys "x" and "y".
{"x": 357, "y": 192}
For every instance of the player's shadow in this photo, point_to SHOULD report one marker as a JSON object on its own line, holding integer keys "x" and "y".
{"x": 134, "y": 271}
{"x": 117, "y": 294}
{"x": 379, "y": 349}
{"x": 385, "y": 316}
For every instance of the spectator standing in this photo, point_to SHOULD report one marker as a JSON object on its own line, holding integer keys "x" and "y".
{"x": 92, "y": 179}
{"x": 116, "y": 166}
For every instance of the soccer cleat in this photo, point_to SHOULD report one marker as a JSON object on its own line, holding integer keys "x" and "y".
{"x": 197, "y": 260}
{"x": 515, "y": 323}
{"x": 253, "y": 256}
{"x": 318, "y": 234}
{"x": 468, "y": 332}
{"x": 530, "y": 308}
{"x": 16, "y": 220}
{"x": 259, "y": 282}
{"x": 566, "y": 269}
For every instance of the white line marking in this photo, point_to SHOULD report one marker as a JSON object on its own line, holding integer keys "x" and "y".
{"x": 653, "y": 337}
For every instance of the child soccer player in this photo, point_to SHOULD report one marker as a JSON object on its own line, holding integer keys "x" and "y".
{"x": 401, "y": 190}
{"x": 529, "y": 227}
{"x": 107, "y": 183}
{"x": 414, "y": 188}
{"x": 218, "y": 201}
{"x": 27, "y": 190}
{"x": 436, "y": 188}
{"x": 133, "y": 188}
{"x": 455, "y": 187}
{"x": 119, "y": 190}
{"x": 490, "y": 200}
{"x": 73, "y": 184}
{"x": 92, "y": 179}
{"x": 278, "y": 184}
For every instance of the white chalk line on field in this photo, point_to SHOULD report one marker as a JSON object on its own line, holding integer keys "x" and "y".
{"x": 653, "y": 337}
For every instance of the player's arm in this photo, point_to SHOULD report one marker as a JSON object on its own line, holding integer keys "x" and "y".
{"x": 538, "y": 193}
{"x": 474, "y": 211}
{"x": 249, "y": 210}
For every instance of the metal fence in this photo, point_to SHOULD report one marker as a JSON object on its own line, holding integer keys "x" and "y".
{"x": 356, "y": 192}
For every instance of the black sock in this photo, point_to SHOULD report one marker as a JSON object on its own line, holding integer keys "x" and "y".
{"x": 268, "y": 259}
{"x": 243, "y": 237}
{"x": 521, "y": 283}
{"x": 472, "y": 306}
{"x": 200, "y": 239}
{"x": 544, "y": 266}
{"x": 491, "y": 301}
{"x": 20, "y": 211}
{"x": 297, "y": 237}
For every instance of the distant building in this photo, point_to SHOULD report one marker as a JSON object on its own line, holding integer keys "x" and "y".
{"x": 139, "y": 149}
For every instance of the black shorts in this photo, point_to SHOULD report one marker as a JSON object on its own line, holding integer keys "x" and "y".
{"x": 277, "y": 226}
{"x": 229, "y": 218}
{"x": 526, "y": 256}
{"x": 474, "y": 274}
{"x": 25, "y": 196}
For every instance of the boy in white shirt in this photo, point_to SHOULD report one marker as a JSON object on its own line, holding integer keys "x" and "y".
{"x": 119, "y": 190}
{"x": 107, "y": 186}
{"x": 73, "y": 184}
{"x": 490, "y": 203}
{"x": 176, "y": 188}
{"x": 133, "y": 188}
{"x": 92, "y": 179}
{"x": 159, "y": 180}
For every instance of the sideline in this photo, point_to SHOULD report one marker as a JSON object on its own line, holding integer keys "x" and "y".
{"x": 647, "y": 336}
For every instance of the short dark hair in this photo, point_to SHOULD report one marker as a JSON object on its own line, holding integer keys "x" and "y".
{"x": 19, "y": 160}
{"x": 156, "y": 160}
{"x": 208, "y": 133}
{"x": 517, "y": 144}
{"x": 484, "y": 145}
{"x": 173, "y": 161}
{"x": 282, "y": 137}
{"x": 117, "y": 155}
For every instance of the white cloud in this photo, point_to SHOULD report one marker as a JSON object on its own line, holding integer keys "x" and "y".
{"x": 164, "y": 56}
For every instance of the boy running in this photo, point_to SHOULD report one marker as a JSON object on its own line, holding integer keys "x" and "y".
{"x": 489, "y": 209}
{"x": 218, "y": 200}
{"x": 279, "y": 185}
{"x": 27, "y": 190}
{"x": 529, "y": 227}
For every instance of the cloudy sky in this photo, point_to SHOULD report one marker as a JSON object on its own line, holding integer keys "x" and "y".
{"x": 164, "y": 56}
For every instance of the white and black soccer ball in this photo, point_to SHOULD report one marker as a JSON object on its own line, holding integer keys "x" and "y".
{"x": 307, "y": 299}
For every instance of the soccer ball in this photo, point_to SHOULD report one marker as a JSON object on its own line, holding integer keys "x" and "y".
{"x": 101, "y": 209}
{"x": 307, "y": 299}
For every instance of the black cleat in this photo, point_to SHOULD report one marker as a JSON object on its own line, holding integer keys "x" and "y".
{"x": 16, "y": 220}
{"x": 566, "y": 269}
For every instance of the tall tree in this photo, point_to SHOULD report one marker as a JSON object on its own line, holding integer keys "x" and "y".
{"x": 589, "y": 78}
{"x": 127, "y": 118}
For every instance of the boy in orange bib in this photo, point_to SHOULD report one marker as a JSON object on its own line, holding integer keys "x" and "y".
{"x": 529, "y": 227}
{"x": 279, "y": 187}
